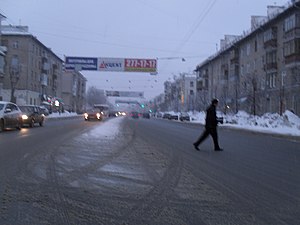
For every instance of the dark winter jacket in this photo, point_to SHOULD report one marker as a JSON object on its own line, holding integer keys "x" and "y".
{"x": 211, "y": 117}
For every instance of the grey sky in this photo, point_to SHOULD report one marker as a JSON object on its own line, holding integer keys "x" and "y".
{"x": 175, "y": 29}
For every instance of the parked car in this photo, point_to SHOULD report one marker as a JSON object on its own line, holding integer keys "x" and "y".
{"x": 32, "y": 114}
{"x": 174, "y": 116}
{"x": 146, "y": 115}
{"x": 184, "y": 117}
{"x": 93, "y": 114}
{"x": 158, "y": 115}
{"x": 166, "y": 116}
{"x": 134, "y": 115}
{"x": 10, "y": 116}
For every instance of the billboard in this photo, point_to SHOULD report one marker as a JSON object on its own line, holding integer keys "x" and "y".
{"x": 112, "y": 64}
{"x": 81, "y": 63}
{"x": 140, "y": 65}
{"x": 132, "y": 94}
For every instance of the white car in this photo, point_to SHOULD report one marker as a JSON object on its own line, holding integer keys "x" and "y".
{"x": 10, "y": 116}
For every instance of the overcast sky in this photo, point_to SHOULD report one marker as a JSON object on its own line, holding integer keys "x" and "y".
{"x": 165, "y": 29}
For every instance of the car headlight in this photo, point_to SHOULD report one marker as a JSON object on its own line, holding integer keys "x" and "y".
{"x": 24, "y": 117}
{"x": 98, "y": 115}
{"x": 86, "y": 115}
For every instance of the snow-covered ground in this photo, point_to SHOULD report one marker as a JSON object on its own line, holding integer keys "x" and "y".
{"x": 58, "y": 115}
{"x": 287, "y": 124}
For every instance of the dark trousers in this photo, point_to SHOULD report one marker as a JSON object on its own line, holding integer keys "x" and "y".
{"x": 209, "y": 131}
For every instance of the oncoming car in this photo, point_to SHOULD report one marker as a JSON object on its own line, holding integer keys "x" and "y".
{"x": 32, "y": 114}
{"x": 10, "y": 116}
{"x": 93, "y": 114}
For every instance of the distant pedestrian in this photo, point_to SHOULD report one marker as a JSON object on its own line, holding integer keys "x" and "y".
{"x": 211, "y": 122}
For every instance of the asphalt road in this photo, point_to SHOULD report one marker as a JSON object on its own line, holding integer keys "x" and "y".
{"x": 64, "y": 173}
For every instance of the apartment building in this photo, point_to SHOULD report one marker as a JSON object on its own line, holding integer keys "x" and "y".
{"x": 73, "y": 91}
{"x": 32, "y": 72}
{"x": 258, "y": 71}
{"x": 180, "y": 95}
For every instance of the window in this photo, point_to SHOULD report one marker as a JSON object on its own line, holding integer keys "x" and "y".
{"x": 255, "y": 46}
{"x": 15, "y": 44}
{"x": 191, "y": 92}
{"x": 271, "y": 57}
{"x": 191, "y": 84}
{"x": 248, "y": 68}
{"x": 291, "y": 47}
{"x": 248, "y": 49}
{"x": 2, "y": 63}
{"x": 291, "y": 23}
{"x": 242, "y": 70}
{"x": 271, "y": 80}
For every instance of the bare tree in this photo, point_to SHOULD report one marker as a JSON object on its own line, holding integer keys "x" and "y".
{"x": 95, "y": 96}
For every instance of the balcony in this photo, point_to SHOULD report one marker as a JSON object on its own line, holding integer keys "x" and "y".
{"x": 234, "y": 57}
{"x": 270, "y": 66}
{"x": 271, "y": 43}
{"x": 44, "y": 79}
{"x": 292, "y": 59}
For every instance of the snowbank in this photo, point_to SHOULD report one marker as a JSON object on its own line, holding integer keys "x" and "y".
{"x": 288, "y": 123}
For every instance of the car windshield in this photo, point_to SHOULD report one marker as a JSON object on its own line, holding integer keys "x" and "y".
{"x": 93, "y": 110}
{"x": 26, "y": 109}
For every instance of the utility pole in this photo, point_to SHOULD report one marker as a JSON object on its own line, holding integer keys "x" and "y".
{"x": 14, "y": 72}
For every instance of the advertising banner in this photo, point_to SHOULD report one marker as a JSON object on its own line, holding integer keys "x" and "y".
{"x": 81, "y": 63}
{"x": 111, "y": 64}
{"x": 132, "y": 94}
{"x": 140, "y": 65}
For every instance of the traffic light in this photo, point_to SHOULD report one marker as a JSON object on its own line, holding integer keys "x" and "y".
{"x": 142, "y": 105}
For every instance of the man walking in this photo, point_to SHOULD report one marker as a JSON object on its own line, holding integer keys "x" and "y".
{"x": 211, "y": 122}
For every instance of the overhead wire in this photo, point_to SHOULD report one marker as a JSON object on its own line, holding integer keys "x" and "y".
{"x": 193, "y": 28}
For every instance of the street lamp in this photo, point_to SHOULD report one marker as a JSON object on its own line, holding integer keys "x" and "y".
{"x": 14, "y": 72}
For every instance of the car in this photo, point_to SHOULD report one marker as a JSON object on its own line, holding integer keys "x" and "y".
{"x": 10, "y": 116}
{"x": 158, "y": 115}
{"x": 184, "y": 117}
{"x": 146, "y": 115}
{"x": 44, "y": 110}
{"x": 134, "y": 115}
{"x": 174, "y": 116}
{"x": 32, "y": 114}
{"x": 93, "y": 114}
{"x": 166, "y": 116}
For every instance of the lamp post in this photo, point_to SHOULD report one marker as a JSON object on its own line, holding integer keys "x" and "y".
{"x": 14, "y": 72}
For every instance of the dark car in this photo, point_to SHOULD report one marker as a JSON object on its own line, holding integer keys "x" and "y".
{"x": 184, "y": 117}
{"x": 10, "y": 116}
{"x": 166, "y": 116}
{"x": 32, "y": 114}
{"x": 174, "y": 116}
{"x": 93, "y": 114}
{"x": 134, "y": 115}
{"x": 146, "y": 115}
{"x": 44, "y": 110}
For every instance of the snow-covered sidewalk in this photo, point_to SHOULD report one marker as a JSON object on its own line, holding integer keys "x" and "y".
{"x": 287, "y": 124}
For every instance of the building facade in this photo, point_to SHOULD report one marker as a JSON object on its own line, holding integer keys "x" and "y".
{"x": 32, "y": 72}
{"x": 258, "y": 71}
{"x": 73, "y": 91}
{"x": 180, "y": 95}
